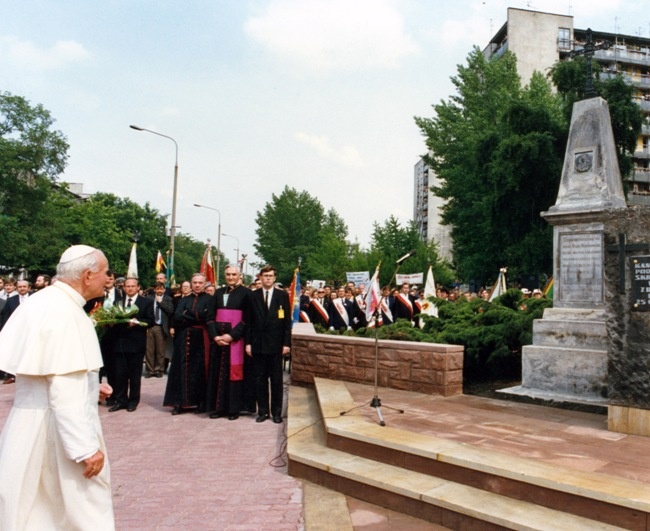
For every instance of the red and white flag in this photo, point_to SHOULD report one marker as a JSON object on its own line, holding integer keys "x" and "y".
{"x": 207, "y": 266}
{"x": 373, "y": 295}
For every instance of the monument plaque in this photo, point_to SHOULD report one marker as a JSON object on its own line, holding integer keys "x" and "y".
{"x": 581, "y": 266}
{"x": 640, "y": 270}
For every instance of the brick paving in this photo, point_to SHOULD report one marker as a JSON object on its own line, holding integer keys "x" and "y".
{"x": 189, "y": 472}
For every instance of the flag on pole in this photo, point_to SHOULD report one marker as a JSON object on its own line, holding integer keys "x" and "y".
{"x": 427, "y": 307}
{"x": 132, "y": 270}
{"x": 171, "y": 281}
{"x": 373, "y": 296}
{"x": 499, "y": 287}
{"x": 548, "y": 289}
{"x": 160, "y": 263}
{"x": 294, "y": 296}
{"x": 207, "y": 265}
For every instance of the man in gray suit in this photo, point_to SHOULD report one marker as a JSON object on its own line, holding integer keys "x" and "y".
{"x": 158, "y": 335}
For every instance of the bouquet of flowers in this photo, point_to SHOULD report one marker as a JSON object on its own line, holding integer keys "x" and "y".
{"x": 106, "y": 315}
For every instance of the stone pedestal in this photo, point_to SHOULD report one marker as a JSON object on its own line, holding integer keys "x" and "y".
{"x": 567, "y": 361}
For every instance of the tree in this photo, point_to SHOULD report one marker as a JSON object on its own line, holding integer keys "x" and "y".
{"x": 497, "y": 149}
{"x": 32, "y": 156}
{"x": 294, "y": 225}
{"x": 109, "y": 223}
{"x": 391, "y": 241}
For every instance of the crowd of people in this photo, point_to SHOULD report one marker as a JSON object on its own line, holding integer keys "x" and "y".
{"x": 222, "y": 349}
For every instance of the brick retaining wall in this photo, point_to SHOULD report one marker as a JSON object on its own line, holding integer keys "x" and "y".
{"x": 431, "y": 368}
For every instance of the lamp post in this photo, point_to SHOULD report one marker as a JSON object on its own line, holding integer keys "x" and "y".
{"x": 218, "y": 238}
{"x": 235, "y": 237}
{"x": 172, "y": 232}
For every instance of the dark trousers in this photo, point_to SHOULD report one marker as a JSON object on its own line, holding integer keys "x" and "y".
{"x": 268, "y": 367}
{"x": 127, "y": 376}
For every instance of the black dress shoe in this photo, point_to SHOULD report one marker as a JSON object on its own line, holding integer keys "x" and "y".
{"x": 261, "y": 418}
{"x": 216, "y": 415}
{"x": 177, "y": 410}
{"x": 233, "y": 417}
{"x": 277, "y": 419}
{"x": 116, "y": 407}
{"x": 131, "y": 408}
{"x": 110, "y": 402}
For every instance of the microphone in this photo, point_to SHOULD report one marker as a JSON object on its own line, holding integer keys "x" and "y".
{"x": 407, "y": 255}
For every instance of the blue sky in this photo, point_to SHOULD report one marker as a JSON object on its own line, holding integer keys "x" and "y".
{"x": 318, "y": 95}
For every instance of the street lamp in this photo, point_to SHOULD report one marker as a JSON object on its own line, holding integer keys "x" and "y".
{"x": 172, "y": 232}
{"x": 229, "y": 236}
{"x": 218, "y": 238}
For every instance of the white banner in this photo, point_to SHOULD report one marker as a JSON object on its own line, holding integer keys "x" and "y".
{"x": 411, "y": 278}
{"x": 358, "y": 277}
{"x": 316, "y": 283}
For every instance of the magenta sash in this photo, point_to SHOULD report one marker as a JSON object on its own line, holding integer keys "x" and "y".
{"x": 233, "y": 317}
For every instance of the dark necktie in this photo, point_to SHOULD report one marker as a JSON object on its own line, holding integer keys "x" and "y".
{"x": 128, "y": 303}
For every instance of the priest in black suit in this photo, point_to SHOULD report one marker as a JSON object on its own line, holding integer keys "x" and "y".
{"x": 268, "y": 338}
{"x": 129, "y": 345}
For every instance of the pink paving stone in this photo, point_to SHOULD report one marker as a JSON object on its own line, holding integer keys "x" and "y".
{"x": 190, "y": 472}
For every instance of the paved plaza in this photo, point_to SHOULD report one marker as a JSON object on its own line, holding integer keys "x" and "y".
{"x": 189, "y": 472}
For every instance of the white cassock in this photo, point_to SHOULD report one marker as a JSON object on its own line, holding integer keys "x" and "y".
{"x": 50, "y": 344}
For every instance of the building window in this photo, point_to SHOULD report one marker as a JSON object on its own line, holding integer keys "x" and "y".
{"x": 564, "y": 39}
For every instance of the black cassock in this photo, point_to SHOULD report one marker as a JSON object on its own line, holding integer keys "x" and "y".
{"x": 193, "y": 333}
{"x": 230, "y": 391}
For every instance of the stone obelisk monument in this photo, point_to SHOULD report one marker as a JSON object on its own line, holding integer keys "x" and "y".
{"x": 567, "y": 361}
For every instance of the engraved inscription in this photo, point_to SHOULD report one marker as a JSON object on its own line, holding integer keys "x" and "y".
{"x": 640, "y": 268}
{"x": 584, "y": 161}
{"x": 581, "y": 267}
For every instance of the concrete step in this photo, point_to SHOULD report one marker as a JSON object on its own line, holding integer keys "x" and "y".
{"x": 566, "y": 371}
{"x": 396, "y": 485}
{"x": 590, "y": 335}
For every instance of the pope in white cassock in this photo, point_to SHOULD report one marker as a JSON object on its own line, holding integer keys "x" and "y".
{"x": 52, "y": 452}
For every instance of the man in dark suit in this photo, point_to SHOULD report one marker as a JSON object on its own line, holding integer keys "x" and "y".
{"x": 112, "y": 296}
{"x": 22, "y": 292}
{"x": 340, "y": 312}
{"x": 129, "y": 345}
{"x": 405, "y": 306}
{"x": 158, "y": 335}
{"x": 268, "y": 338}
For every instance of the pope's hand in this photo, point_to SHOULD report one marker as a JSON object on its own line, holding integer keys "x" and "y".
{"x": 105, "y": 391}
{"x": 94, "y": 464}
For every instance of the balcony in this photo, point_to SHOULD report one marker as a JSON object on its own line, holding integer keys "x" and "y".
{"x": 642, "y": 153}
{"x": 622, "y": 54}
{"x": 640, "y": 175}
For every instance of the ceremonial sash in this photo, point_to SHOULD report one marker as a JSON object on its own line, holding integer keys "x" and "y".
{"x": 406, "y": 302}
{"x": 341, "y": 309}
{"x": 233, "y": 318}
{"x": 304, "y": 318}
{"x": 321, "y": 310}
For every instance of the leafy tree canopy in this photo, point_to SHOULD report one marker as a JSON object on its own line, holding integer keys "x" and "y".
{"x": 497, "y": 149}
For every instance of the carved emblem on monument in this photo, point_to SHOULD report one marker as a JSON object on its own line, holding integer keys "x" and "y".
{"x": 584, "y": 161}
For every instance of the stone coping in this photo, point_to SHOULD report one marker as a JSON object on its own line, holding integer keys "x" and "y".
{"x": 334, "y": 397}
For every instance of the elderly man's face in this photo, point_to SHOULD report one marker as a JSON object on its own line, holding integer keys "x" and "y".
{"x": 232, "y": 277}
{"x": 22, "y": 286}
{"x": 198, "y": 284}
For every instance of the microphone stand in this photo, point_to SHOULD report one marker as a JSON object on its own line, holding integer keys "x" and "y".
{"x": 376, "y": 401}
